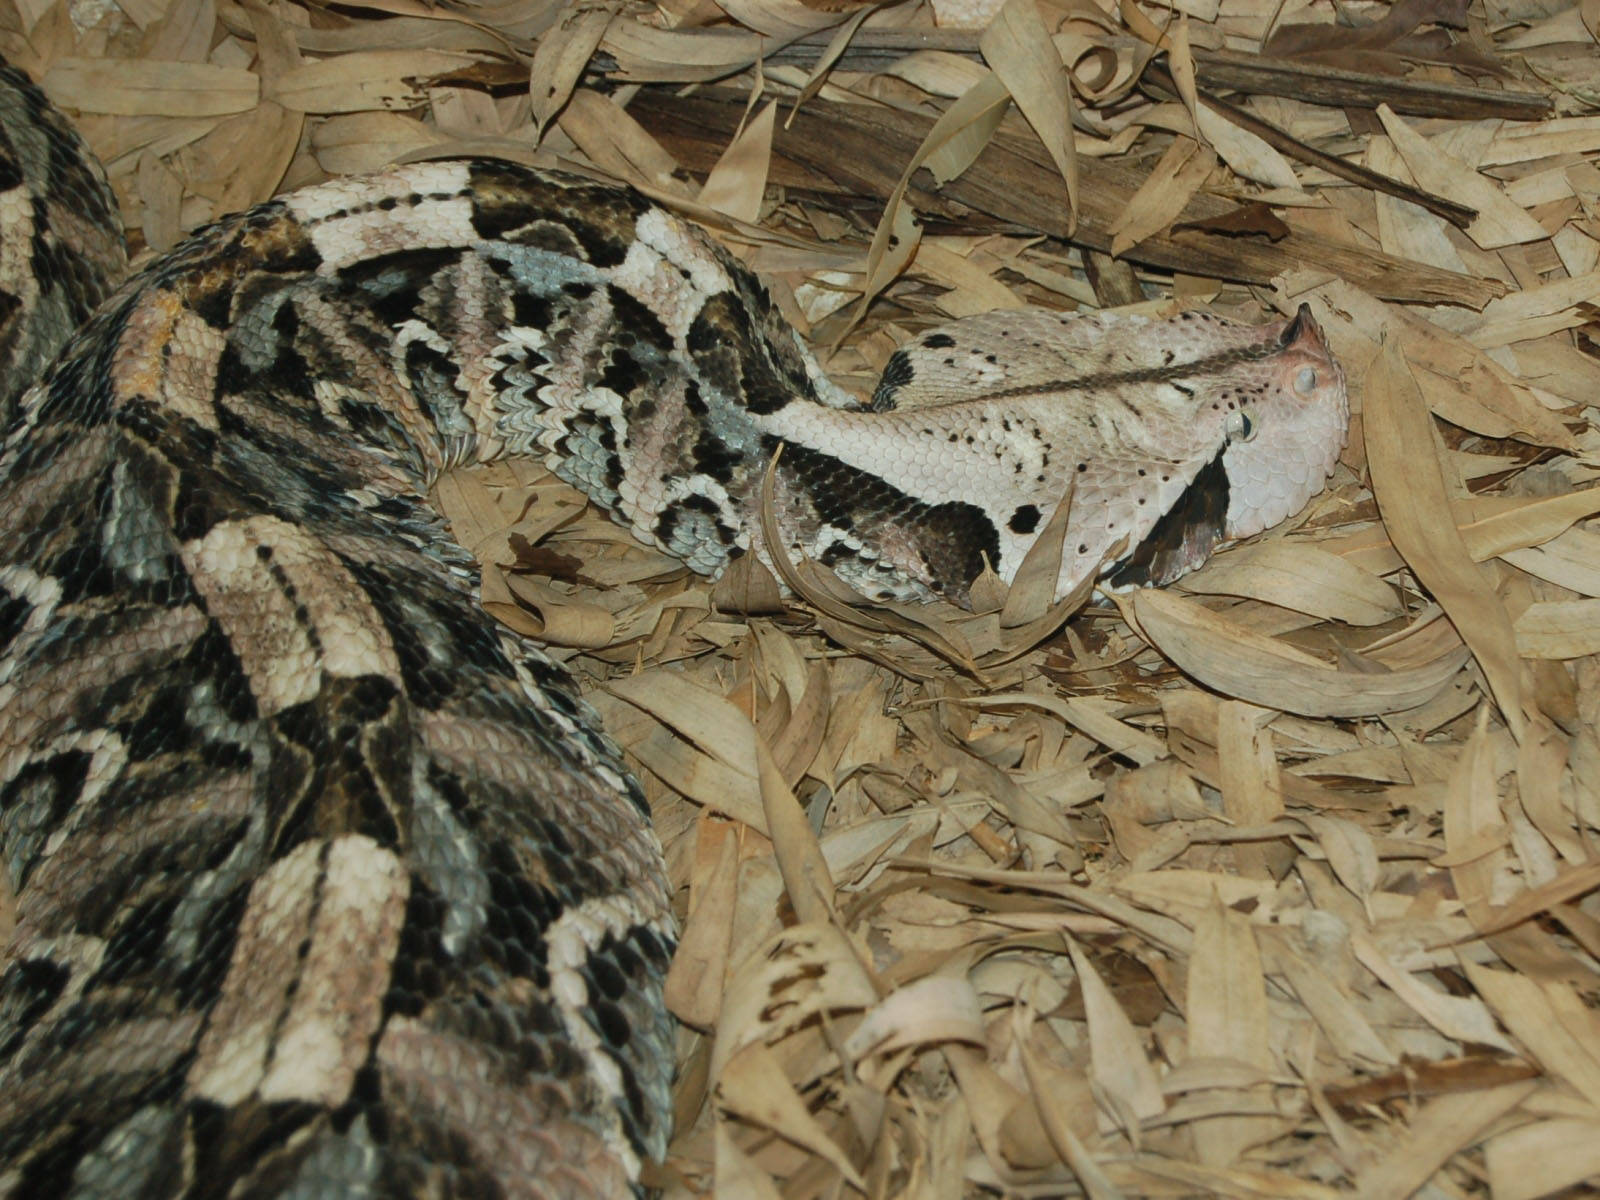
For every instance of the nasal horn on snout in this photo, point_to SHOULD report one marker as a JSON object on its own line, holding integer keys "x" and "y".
{"x": 1303, "y": 324}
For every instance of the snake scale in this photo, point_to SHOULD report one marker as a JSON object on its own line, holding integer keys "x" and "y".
{"x": 327, "y": 885}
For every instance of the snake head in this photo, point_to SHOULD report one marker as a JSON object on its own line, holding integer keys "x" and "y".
{"x": 1282, "y": 427}
{"x": 1165, "y": 437}
{"x": 1297, "y": 427}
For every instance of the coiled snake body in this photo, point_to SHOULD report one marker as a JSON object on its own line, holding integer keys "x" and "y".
{"x": 327, "y": 885}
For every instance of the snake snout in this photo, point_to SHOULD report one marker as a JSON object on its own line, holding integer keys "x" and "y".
{"x": 1306, "y": 366}
{"x": 1301, "y": 415}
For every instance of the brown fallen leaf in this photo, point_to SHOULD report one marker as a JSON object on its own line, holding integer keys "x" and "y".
{"x": 1248, "y": 220}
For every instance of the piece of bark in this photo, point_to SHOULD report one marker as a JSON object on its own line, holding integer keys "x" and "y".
{"x": 860, "y": 151}
{"x": 1113, "y": 280}
{"x": 1228, "y": 70}
{"x": 1215, "y": 70}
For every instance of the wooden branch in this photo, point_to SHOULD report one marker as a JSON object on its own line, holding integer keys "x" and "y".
{"x": 859, "y": 150}
{"x": 1220, "y": 71}
{"x": 1159, "y": 78}
{"x": 1227, "y": 70}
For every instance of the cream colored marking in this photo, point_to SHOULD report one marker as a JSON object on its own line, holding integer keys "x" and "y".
{"x": 273, "y": 643}
{"x": 345, "y": 225}
{"x": 674, "y": 298}
{"x": 344, "y": 975}
{"x": 484, "y": 407}
{"x": 569, "y": 940}
{"x": 158, "y": 323}
{"x": 288, "y": 1026}
{"x": 42, "y": 593}
{"x": 16, "y": 247}
{"x": 233, "y": 1053}
{"x": 419, "y": 424}
{"x": 107, "y": 754}
{"x": 189, "y": 376}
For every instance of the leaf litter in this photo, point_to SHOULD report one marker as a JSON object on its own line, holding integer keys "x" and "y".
{"x": 1282, "y": 881}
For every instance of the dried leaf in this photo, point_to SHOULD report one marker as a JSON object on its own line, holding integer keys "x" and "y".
{"x": 1018, "y": 48}
{"x": 1250, "y": 666}
{"x": 1442, "y": 1128}
{"x": 137, "y": 87}
{"x": 383, "y": 79}
{"x": 753, "y": 1085}
{"x": 558, "y": 61}
{"x": 1247, "y": 220}
{"x": 1409, "y": 486}
{"x": 1500, "y": 222}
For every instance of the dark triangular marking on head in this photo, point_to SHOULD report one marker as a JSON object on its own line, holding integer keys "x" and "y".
{"x": 1184, "y": 536}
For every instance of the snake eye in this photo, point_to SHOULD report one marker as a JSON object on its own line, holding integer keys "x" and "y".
{"x": 1240, "y": 427}
{"x": 1306, "y": 381}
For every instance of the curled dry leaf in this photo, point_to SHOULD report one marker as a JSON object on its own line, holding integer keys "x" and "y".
{"x": 560, "y": 58}
{"x": 1302, "y": 577}
{"x": 930, "y": 1012}
{"x": 542, "y": 612}
{"x": 1018, "y": 48}
{"x": 787, "y": 982}
{"x": 754, "y": 1086}
{"x": 1239, "y": 662}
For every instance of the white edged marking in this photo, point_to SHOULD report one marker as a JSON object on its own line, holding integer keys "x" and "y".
{"x": 569, "y": 940}
{"x": 434, "y": 208}
{"x": 304, "y": 990}
{"x": 270, "y": 628}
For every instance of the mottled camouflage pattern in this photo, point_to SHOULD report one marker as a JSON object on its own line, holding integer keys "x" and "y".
{"x": 61, "y": 245}
{"x": 326, "y": 883}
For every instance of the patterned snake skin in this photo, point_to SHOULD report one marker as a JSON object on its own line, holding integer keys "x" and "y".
{"x": 325, "y": 884}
